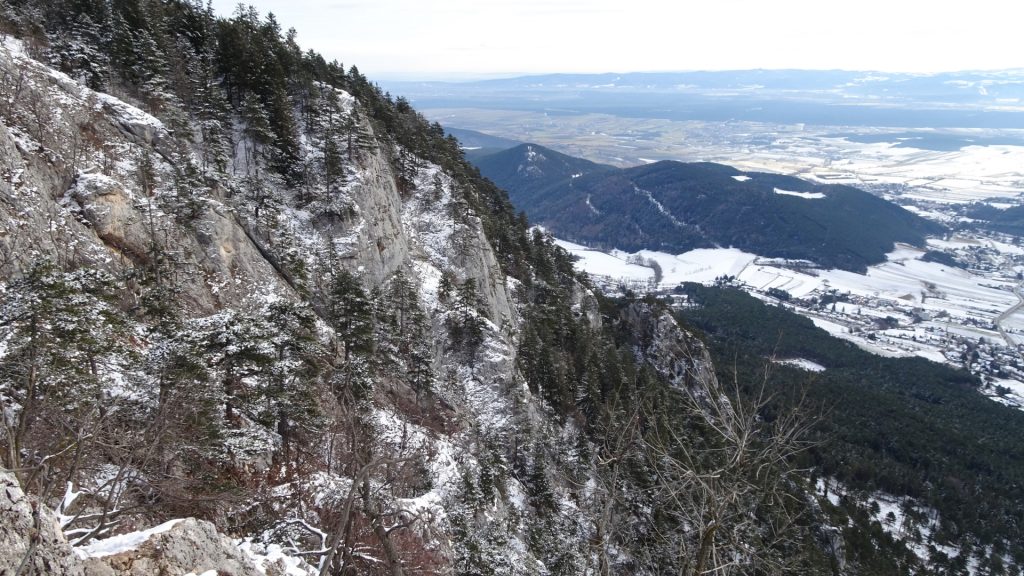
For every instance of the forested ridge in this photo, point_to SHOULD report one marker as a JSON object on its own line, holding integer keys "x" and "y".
{"x": 676, "y": 207}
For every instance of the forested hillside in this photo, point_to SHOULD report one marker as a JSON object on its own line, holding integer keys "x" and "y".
{"x": 988, "y": 217}
{"x": 675, "y": 207}
{"x": 906, "y": 426}
{"x": 242, "y": 284}
{"x": 531, "y": 174}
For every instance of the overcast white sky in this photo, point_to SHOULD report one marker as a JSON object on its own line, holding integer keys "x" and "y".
{"x": 447, "y": 39}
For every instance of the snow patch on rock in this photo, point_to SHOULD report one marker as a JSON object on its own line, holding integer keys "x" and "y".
{"x": 123, "y": 542}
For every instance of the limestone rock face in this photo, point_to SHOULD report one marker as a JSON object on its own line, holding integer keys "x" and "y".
{"x": 74, "y": 185}
{"x": 380, "y": 246}
{"x": 675, "y": 353}
{"x": 30, "y": 537}
{"x": 73, "y": 188}
{"x": 481, "y": 264}
{"x": 584, "y": 304}
{"x": 107, "y": 208}
{"x": 188, "y": 546}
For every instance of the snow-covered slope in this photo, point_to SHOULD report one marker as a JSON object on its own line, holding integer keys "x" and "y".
{"x": 272, "y": 301}
{"x": 90, "y": 204}
{"x": 215, "y": 293}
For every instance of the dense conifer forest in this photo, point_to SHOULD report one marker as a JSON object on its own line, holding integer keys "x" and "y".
{"x": 906, "y": 426}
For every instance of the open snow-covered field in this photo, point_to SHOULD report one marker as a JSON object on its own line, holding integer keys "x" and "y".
{"x": 902, "y": 307}
{"x": 904, "y": 278}
{"x": 970, "y": 174}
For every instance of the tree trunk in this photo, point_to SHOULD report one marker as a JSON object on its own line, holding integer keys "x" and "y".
{"x": 391, "y": 555}
{"x": 343, "y": 521}
{"x": 706, "y": 542}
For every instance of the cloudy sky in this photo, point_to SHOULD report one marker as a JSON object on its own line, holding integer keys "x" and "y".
{"x": 450, "y": 39}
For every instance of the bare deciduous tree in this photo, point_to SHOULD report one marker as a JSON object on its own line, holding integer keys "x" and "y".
{"x": 725, "y": 491}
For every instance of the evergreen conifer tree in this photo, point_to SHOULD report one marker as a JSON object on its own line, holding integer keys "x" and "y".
{"x": 63, "y": 337}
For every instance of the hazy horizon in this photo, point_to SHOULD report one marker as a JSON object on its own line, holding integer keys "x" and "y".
{"x": 459, "y": 40}
{"x": 481, "y": 76}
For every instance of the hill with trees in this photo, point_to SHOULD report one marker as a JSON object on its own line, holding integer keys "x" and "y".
{"x": 675, "y": 207}
{"x": 987, "y": 217}
{"x": 477, "y": 144}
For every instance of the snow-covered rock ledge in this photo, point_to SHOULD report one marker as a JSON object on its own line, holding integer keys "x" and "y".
{"x": 31, "y": 543}
{"x": 174, "y": 548}
{"x": 185, "y": 547}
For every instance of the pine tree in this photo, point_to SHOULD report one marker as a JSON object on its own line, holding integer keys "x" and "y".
{"x": 135, "y": 51}
{"x": 257, "y": 132}
{"x": 477, "y": 541}
{"x": 64, "y": 340}
{"x": 187, "y": 200}
{"x": 420, "y": 372}
{"x": 214, "y": 119}
{"x": 260, "y": 189}
{"x": 334, "y": 133}
{"x": 237, "y": 346}
{"x": 351, "y": 316}
{"x": 186, "y": 414}
{"x": 286, "y": 156}
{"x": 80, "y": 49}
{"x": 542, "y": 498}
{"x": 289, "y": 398}
{"x": 402, "y": 328}
{"x": 465, "y": 323}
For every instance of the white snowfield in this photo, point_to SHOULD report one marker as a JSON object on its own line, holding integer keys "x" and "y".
{"x": 903, "y": 277}
{"x": 902, "y": 307}
{"x": 804, "y": 195}
{"x": 973, "y": 173}
{"x": 600, "y": 263}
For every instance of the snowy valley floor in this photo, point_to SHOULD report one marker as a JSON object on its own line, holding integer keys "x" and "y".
{"x": 902, "y": 307}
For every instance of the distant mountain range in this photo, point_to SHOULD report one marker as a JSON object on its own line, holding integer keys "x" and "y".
{"x": 984, "y": 99}
{"x": 963, "y": 86}
{"x": 675, "y": 207}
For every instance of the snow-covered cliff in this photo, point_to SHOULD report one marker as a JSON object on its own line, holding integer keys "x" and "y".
{"x": 260, "y": 298}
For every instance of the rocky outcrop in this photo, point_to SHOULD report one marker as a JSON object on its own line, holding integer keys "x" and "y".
{"x": 86, "y": 179}
{"x": 445, "y": 236}
{"x": 75, "y": 186}
{"x": 481, "y": 264}
{"x": 31, "y": 541}
{"x": 107, "y": 208}
{"x": 676, "y": 354}
{"x": 379, "y": 247}
{"x": 584, "y": 305}
{"x": 32, "y": 544}
{"x": 175, "y": 548}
